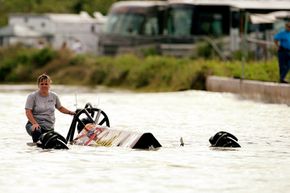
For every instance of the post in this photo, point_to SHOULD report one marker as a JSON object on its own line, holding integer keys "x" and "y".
{"x": 244, "y": 45}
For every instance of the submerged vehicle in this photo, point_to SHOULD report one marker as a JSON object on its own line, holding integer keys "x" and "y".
{"x": 93, "y": 128}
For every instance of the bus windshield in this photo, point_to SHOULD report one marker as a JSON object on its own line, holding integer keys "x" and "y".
{"x": 124, "y": 24}
{"x": 198, "y": 20}
{"x": 131, "y": 24}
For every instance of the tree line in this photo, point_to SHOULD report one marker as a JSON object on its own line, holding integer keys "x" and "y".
{"x": 52, "y": 6}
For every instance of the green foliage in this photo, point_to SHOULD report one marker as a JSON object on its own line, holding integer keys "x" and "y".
{"x": 151, "y": 73}
{"x": 91, "y": 6}
{"x": 10, "y": 59}
{"x": 52, "y": 6}
{"x": 205, "y": 50}
{"x": 151, "y": 51}
{"x": 43, "y": 56}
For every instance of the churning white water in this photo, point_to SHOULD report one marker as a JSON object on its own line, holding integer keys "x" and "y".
{"x": 261, "y": 165}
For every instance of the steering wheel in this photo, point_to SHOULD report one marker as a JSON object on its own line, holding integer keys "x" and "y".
{"x": 89, "y": 114}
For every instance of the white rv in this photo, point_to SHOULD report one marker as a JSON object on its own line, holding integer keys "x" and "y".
{"x": 79, "y": 32}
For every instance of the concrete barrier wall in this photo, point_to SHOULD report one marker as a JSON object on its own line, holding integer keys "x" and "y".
{"x": 265, "y": 91}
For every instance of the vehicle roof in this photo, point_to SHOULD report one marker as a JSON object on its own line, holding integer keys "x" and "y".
{"x": 242, "y": 4}
{"x": 83, "y": 17}
{"x": 139, "y": 3}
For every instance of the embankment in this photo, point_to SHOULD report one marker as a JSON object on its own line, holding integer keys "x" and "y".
{"x": 264, "y": 91}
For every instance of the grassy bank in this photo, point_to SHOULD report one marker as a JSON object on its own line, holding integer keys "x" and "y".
{"x": 152, "y": 73}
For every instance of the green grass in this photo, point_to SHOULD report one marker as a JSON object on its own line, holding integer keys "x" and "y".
{"x": 151, "y": 73}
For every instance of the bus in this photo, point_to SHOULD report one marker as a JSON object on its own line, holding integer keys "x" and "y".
{"x": 174, "y": 27}
{"x": 132, "y": 24}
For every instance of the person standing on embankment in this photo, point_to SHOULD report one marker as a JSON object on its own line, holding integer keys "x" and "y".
{"x": 282, "y": 41}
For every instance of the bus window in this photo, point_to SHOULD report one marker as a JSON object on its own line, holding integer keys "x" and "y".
{"x": 211, "y": 21}
{"x": 180, "y": 21}
{"x": 151, "y": 26}
{"x": 217, "y": 25}
{"x": 235, "y": 18}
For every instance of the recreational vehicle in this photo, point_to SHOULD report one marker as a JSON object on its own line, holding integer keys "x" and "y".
{"x": 132, "y": 24}
{"x": 174, "y": 27}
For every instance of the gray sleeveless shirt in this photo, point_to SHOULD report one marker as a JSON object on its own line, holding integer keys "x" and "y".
{"x": 43, "y": 108}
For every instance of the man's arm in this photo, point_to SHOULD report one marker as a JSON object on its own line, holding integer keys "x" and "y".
{"x": 276, "y": 43}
